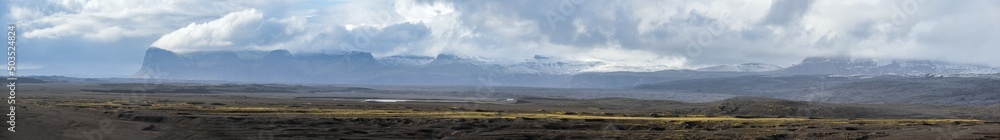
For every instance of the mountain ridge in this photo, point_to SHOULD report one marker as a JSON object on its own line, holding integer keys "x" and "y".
{"x": 354, "y": 67}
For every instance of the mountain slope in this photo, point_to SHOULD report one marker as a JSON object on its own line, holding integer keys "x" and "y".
{"x": 746, "y": 67}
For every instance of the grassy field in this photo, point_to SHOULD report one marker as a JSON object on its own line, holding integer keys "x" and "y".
{"x": 589, "y": 123}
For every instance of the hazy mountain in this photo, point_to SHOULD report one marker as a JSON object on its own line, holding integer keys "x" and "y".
{"x": 746, "y": 67}
{"x": 358, "y": 68}
{"x": 446, "y": 69}
{"x": 258, "y": 66}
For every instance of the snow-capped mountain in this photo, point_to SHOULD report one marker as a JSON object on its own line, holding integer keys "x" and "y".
{"x": 537, "y": 65}
{"x": 405, "y": 61}
{"x": 746, "y": 67}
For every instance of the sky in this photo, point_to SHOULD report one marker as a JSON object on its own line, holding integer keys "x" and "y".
{"x": 108, "y": 38}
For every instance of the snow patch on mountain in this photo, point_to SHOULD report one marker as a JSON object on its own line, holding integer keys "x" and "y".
{"x": 405, "y": 60}
{"x": 618, "y": 67}
{"x": 746, "y": 67}
{"x": 537, "y": 65}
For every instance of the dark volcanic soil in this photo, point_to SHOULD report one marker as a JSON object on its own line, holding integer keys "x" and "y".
{"x": 66, "y": 113}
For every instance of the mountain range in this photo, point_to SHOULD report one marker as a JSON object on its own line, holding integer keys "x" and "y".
{"x": 280, "y": 66}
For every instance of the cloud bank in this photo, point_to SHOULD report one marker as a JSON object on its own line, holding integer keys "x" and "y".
{"x": 676, "y": 34}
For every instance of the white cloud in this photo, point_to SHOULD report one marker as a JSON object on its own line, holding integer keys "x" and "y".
{"x": 630, "y": 32}
{"x": 53, "y": 19}
{"x": 217, "y": 34}
{"x": 779, "y": 32}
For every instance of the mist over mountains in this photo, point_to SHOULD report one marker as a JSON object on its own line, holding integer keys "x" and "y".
{"x": 280, "y": 66}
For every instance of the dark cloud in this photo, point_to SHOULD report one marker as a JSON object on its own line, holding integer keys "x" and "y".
{"x": 784, "y": 12}
{"x": 864, "y": 29}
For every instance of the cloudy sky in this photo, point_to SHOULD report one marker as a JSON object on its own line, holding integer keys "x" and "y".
{"x": 108, "y": 38}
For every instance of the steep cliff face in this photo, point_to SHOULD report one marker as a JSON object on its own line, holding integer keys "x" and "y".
{"x": 355, "y": 68}
{"x": 159, "y": 63}
{"x": 257, "y": 66}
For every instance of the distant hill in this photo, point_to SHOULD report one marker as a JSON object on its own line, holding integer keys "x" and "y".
{"x": 848, "y": 66}
{"x": 927, "y": 89}
{"x": 24, "y": 80}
